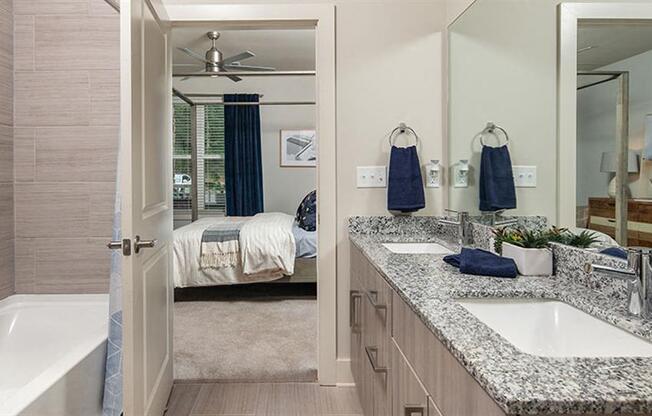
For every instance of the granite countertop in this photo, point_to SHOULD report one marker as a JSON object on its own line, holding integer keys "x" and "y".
{"x": 520, "y": 383}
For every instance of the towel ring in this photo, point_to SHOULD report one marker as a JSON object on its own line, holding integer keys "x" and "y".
{"x": 403, "y": 129}
{"x": 491, "y": 130}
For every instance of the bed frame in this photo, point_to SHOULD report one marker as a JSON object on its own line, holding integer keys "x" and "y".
{"x": 305, "y": 271}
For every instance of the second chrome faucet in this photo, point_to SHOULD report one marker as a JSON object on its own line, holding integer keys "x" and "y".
{"x": 638, "y": 276}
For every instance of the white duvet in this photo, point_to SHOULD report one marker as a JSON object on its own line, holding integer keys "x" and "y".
{"x": 267, "y": 248}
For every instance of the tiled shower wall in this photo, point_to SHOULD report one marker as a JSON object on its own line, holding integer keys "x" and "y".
{"x": 6, "y": 150}
{"x": 66, "y": 105}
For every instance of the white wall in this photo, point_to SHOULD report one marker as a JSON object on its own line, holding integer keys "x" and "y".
{"x": 597, "y": 128}
{"x": 284, "y": 187}
{"x": 389, "y": 69}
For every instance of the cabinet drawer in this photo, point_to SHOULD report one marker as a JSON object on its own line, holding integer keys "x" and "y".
{"x": 452, "y": 388}
{"x": 410, "y": 397}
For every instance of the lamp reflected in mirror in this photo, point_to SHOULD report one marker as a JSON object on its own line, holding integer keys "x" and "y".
{"x": 609, "y": 165}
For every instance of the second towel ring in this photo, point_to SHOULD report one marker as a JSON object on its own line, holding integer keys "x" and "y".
{"x": 491, "y": 129}
{"x": 402, "y": 129}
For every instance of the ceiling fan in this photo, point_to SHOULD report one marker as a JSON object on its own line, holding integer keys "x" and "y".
{"x": 215, "y": 63}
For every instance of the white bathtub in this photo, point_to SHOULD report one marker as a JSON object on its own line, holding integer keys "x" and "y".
{"x": 52, "y": 352}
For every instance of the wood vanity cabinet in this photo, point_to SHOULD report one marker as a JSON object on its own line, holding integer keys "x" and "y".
{"x": 399, "y": 366}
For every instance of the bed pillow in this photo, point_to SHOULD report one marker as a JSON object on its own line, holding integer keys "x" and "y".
{"x": 307, "y": 213}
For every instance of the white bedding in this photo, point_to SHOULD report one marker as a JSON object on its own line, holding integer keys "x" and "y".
{"x": 267, "y": 246}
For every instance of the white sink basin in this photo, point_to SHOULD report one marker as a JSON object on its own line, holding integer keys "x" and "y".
{"x": 416, "y": 248}
{"x": 555, "y": 329}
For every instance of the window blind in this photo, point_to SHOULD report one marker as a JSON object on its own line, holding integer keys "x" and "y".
{"x": 210, "y": 179}
{"x": 182, "y": 161}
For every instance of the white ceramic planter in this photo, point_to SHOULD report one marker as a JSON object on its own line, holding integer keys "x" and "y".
{"x": 530, "y": 261}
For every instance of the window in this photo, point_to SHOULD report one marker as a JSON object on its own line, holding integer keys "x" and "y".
{"x": 182, "y": 157}
{"x": 211, "y": 196}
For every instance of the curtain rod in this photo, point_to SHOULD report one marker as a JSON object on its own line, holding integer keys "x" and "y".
{"x": 613, "y": 75}
{"x": 263, "y": 103}
{"x": 246, "y": 74}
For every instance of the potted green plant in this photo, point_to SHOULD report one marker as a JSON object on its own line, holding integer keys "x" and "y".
{"x": 528, "y": 249}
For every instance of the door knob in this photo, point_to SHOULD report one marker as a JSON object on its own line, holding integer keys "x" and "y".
{"x": 139, "y": 244}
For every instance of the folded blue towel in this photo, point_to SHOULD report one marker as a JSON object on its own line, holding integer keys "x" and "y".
{"x": 496, "y": 180}
{"x": 615, "y": 252}
{"x": 480, "y": 262}
{"x": 405, "y": 186}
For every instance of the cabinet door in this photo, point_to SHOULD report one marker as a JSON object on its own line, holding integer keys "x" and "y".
{"x": 409, "y": 396}
{"x": 355, "y": 324}
{"x": 377, "y": 315}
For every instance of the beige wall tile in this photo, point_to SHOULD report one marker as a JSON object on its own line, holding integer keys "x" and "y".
{"x": 71, "y": 265}
{"x": 52, "y": 209}
{"x": 6, "y": 154}
{"x": 77, "y": 42}
{"x": 6, "y": 211}
{"x": 6, "y": 268}
{"x": 24, "y": 43}
{"x": 6, "y": 97}
{"x": 100, "y": 8}
{"x": 105, "y": 98}
{"x": 74, "y": 154}
{"x": 76, "y": 7}
{"x": 24, "y": 265}
{"x": 6, "y": 39}
{"x": 100, "y": 217}
{"x": 24, "y": 154}
{"x": 52, "y": 98}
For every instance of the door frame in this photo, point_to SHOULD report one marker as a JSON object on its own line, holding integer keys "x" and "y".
{"x": 569, "y": 15}
{"x": 321, "y": 18}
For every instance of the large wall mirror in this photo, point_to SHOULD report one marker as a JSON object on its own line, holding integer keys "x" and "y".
{"x": 565, "y": 90}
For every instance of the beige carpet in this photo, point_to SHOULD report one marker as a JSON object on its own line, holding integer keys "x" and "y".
{"x": 246, "y": 340}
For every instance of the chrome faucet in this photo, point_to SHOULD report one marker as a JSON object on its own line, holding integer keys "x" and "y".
{"x": 496, "y": 220}
{"x": 464, "y": 236}
{"x": 638, "y": 276}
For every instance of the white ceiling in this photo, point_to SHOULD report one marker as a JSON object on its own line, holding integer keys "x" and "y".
{"x": 611, "y": 42}
{"x": 285, "y": 50}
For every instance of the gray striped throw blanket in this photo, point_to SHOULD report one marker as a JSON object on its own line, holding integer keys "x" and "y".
{"x": 220, "y": 245}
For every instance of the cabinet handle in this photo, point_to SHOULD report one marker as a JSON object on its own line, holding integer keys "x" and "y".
{"x": 414, "y": 409}
{"x": 372, "y": 352}
{"x": 353, "y": 315}
{"x": 374, "y": 300}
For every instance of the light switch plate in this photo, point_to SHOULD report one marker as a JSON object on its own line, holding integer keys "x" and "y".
{"x": 525, "y": 176}
{"x": 372, "y": 177}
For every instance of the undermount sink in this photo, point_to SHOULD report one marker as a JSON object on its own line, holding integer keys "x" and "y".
{"x": 555, "y": 329}
{"x": 417, "y": 248}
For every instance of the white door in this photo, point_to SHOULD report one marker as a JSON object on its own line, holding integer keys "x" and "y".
{"x": 146, "y": 188}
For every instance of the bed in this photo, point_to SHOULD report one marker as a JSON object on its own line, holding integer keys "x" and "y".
{"x": 262, "y": 240}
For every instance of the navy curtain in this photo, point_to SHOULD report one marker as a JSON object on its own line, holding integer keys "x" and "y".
{"x": 243, "y": 162}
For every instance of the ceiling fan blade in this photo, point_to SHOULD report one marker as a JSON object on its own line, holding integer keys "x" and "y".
{"x": 193, "y": 54}
{"x": 237, "y": 58}
{"x": 234, "y": 78}
{"x": 249, "y": 67}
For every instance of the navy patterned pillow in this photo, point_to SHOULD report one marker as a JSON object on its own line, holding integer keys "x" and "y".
{"x": 307, "y": 213}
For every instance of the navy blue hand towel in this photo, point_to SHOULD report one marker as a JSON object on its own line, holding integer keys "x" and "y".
{"x": 615, "y": 252}
{"x": 405, "y": 186}
{"x": 496, "y": 180}
{"x": 482, "y": 263}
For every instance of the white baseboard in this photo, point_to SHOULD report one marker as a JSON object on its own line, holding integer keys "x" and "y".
{"x": 344, "y": 374}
